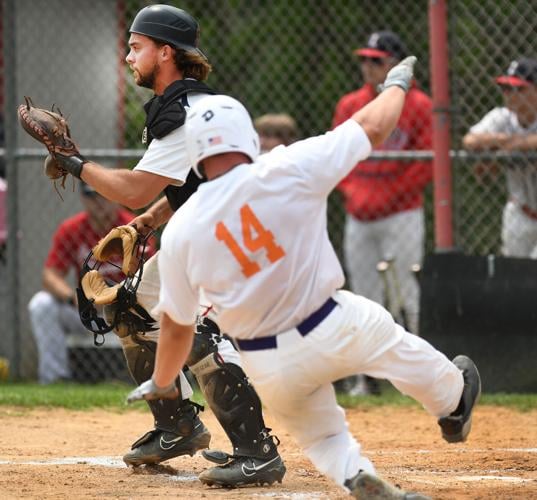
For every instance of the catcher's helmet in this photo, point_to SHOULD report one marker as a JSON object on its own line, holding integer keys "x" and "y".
{"x": 168, "y": 24}
{"x": 219, "y": 124}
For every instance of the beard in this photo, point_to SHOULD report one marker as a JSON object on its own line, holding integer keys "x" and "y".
{"x": 148, "y": 80}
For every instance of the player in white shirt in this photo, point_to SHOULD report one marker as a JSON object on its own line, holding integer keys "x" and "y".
{"x": 513, "y": 127}
{"x": 254, "y": 240}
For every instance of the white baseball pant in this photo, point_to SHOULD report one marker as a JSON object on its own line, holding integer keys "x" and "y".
{"x": 519, "y": 233}
{"x": 51, "y": 321}
{"x": 400, "y": 237}
{"x": 294, "y": 380}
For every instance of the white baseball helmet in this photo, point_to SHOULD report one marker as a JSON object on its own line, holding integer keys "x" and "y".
{"x": 219, "y": 124}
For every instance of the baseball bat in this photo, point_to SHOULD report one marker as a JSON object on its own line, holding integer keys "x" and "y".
{"x": 415, "y": 269}
{"x": 382, "y": 269}
{"x": 399, "y": 297}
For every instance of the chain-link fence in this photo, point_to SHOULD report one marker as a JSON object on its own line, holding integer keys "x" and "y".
{"x": 277, "y": 56}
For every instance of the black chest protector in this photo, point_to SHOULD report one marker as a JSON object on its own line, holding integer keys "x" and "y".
{"x": 164, "y": 114}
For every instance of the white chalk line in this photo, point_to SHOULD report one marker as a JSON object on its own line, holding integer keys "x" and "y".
{"x": 116, "y": 462}
{"x": 102, "y": 461}
{"x": 445, "y": 478}
{"x": 446, "y": 451}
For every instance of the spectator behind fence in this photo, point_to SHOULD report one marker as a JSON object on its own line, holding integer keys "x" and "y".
{"x": 275, "y": 129}
{"x": 384, "y": 199}
{"x": 513, "y": 127}
{"x": 53, "y": 311}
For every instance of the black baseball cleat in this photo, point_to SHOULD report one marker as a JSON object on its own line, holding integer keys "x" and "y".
{"x": 456, "y": 426}
{"x": 245, "y": 471}
{"x": 157, "y": 445}
{"x": 365, "y": 486}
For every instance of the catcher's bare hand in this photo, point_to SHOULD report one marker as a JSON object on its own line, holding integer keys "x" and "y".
{"x": 144, "y": 223}
{"x": 150, "y": 391}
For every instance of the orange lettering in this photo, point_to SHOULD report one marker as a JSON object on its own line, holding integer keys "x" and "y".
{"x": 255, "y": 237}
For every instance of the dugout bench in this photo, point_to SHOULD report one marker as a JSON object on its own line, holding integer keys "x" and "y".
{"x": 92, "y": 364}
{"x": 485, "y": 307}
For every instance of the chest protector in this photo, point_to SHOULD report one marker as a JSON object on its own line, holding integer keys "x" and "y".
{"x": 164, "y": 114}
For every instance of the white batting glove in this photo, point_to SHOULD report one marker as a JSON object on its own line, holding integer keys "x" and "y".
{"x": 400, "y": 75}
{"x": 150, "y": 391}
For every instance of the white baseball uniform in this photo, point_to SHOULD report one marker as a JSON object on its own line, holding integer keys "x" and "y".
{"x": 519, "y": 227}
{"x": 255, "y": 241}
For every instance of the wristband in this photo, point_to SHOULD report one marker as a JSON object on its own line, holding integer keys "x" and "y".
{"x": 73, "y": 164}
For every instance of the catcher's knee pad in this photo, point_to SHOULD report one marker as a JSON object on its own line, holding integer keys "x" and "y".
{"x": 236, "y": 405}
{"x": 140, "y": 358}
{"x": 202, "y": 345}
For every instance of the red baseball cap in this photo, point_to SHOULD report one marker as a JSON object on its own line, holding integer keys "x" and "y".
{"x": 521, "y": 73}
{"x": 383, "y": 44}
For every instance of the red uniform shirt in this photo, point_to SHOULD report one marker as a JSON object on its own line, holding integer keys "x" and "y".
{"x": 73, "y": 241}
{"x": 376, "y": 189}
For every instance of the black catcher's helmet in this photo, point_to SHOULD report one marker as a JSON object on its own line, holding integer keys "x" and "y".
{"x": 168, "y": 24}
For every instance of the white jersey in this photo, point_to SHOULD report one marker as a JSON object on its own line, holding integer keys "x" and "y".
{"x": 521, "y": 176}
{"x": 255, "y": 240}
{"x": 167, "y": 156}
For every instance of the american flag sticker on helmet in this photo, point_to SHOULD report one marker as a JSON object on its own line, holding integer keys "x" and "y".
{"x": 215, "y": 140}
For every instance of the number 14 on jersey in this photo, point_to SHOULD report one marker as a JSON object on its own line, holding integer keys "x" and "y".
{"x": 254, "y": 238}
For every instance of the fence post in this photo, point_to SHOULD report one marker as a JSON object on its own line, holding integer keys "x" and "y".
{"x": 443, "y": 207}
{"x": 11, "y": 325}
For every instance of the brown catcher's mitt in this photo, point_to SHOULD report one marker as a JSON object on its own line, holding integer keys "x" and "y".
{"x": 119, "y": 241}
{"x": 48, "y": 127}
{"x": 51, "y": 129}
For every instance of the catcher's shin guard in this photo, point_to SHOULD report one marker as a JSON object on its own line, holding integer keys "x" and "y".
{"x": 178, "y": 429}
{"x": 232, "y": 399}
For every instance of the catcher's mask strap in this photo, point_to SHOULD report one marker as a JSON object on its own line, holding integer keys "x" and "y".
{"x": 89, "y": 317}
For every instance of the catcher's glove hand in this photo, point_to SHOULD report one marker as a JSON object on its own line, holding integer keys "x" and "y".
{"x": 51, "y": 129}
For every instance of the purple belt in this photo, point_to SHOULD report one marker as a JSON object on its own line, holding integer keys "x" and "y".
{"x": 303, "y": 328}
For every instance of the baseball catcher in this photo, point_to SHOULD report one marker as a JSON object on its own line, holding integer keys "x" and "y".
{"x": 157, "y": 42}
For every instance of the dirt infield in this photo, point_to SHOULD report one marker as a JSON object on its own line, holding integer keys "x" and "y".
{"x": 77, "y": 455}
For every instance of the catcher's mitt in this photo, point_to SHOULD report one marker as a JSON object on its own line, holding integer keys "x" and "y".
{"x": 51, "y": 129}
{"x": 119, "y": 241}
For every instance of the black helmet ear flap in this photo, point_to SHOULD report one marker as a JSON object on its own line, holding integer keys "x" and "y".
{"x": 94, "y": 291}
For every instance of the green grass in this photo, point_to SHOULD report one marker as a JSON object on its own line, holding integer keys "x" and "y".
{"x": 112, "y": 396}
{"x": 391, "y": 397}
{"x": 65, "y": 395}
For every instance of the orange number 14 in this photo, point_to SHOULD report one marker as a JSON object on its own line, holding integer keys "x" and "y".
{"x": 254, "y": 237}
